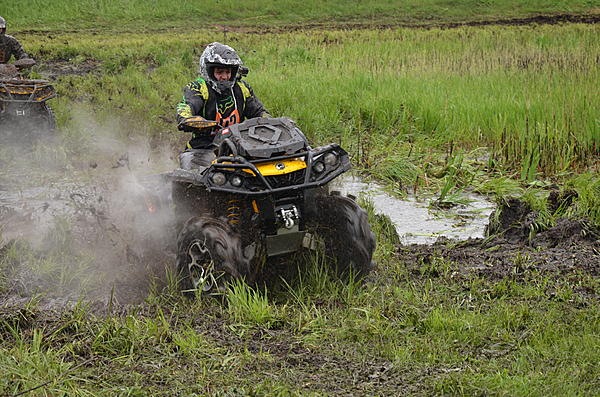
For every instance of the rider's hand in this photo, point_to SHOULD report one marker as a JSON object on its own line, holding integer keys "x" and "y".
{"x": 198, "y": 122}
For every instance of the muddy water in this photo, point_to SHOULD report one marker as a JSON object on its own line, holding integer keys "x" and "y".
{"x": 415, "y": 221}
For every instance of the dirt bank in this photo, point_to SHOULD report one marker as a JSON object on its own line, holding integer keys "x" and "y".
{"x": 513, "y": 250}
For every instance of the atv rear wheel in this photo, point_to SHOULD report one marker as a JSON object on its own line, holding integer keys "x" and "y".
{"x": 342, "y": 226}
{"x": 47, "y": 119}
{"x": 208, "y": 255}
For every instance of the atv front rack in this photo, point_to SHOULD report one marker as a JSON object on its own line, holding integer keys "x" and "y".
{"x": 235, "y": 174}
{"x": 16, "y": 90}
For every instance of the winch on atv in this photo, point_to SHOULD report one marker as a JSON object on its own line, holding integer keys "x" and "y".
{"x": 24, "y": 113}
{"x": 265, "y": 195}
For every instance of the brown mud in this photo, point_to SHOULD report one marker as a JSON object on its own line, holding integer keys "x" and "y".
{"x": 55, "y": 68}
{"x": 516, "y": 248}
{"x": 550, "y": 19}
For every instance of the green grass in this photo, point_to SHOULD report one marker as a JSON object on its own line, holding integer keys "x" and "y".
{"x": 431, "y": 333}
{"x": 520, "y": 94}
{"x": 131, "y": 15}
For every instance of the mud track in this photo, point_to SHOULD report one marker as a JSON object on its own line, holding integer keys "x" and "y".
{"x": 532, "y": 20}
{"x": 541, "y": 19}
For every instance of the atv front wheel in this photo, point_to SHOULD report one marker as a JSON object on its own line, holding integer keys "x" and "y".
{"x": 208, "y": 255}
{"x": 342, "y": 226}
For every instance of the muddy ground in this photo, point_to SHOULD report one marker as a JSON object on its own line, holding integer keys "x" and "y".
{"x": 515, "y": 248}
{"x": 96, "y": 241}
{"x": 99, "y": 234}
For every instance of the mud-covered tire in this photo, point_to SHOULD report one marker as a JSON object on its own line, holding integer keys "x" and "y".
{"x": 49, "y": 118}
{"x": 45, "y": 121}
{"x": 343, "y": 228}
{"x": 209, "y": 254}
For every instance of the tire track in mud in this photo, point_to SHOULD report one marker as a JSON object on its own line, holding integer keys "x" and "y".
{"x": 541, "y": 19}
{"x": 536, "y": 19}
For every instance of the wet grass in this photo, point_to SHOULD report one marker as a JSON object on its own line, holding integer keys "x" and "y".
{"x": 411, "y": 330}
{"x": 428, "y": 332}
{"x": 424, "y": 110}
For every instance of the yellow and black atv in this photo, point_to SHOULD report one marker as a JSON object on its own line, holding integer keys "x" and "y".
{"x": 265, "y": 195}
{"x": 24, "y": 113}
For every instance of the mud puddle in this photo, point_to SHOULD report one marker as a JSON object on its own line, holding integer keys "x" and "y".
{"x": 416, "y": 222}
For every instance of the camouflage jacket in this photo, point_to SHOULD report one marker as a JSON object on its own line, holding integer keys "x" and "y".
{"x": 9, "y": 46}
{"x": 200, "y": 99}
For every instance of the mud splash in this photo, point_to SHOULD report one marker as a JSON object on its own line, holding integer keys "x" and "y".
{"x": 82, "y": 227}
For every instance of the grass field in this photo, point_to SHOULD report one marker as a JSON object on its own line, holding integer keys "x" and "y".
{"x": 130, "y": 15}
{"x": 510, "y": 101}
{"x": 502, "y": 110}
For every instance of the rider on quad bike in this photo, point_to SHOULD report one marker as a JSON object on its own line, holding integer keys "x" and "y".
{"x": 254, "y": 190}
{"x": 218, "y": 95}
{"x": 24, "y": 112}
{"x": 9, "y": 46}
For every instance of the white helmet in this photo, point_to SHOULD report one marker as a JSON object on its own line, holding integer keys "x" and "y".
{"x": 2, "y": 23}
{"x": 219, "y": 55}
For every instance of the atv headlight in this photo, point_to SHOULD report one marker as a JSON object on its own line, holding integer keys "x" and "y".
{"x": 236, "y": 181}
{"x": 331, "y": 159}
{"x": 218, "y": 178}
{"x": 318, "y": 167}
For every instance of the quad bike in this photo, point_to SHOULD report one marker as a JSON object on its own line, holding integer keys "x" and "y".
{"x": 265, "y": 195}
{"x": 24, "y": 112}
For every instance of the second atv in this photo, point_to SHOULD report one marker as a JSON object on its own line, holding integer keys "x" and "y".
{"x": 265, "y": 195}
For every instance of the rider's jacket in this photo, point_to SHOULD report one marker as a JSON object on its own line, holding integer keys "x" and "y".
{"x": 9, "y": 46}
{"x": 200, "y": 99}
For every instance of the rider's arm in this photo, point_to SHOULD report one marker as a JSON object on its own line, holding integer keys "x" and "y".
{"x": 192, "y": 104}
{"x": 17, "y": 49}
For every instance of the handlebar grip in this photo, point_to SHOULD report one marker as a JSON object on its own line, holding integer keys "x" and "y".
{"x": 199, "y": 123}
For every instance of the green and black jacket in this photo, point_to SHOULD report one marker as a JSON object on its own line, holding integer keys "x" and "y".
{"x": 200, "y": 99}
